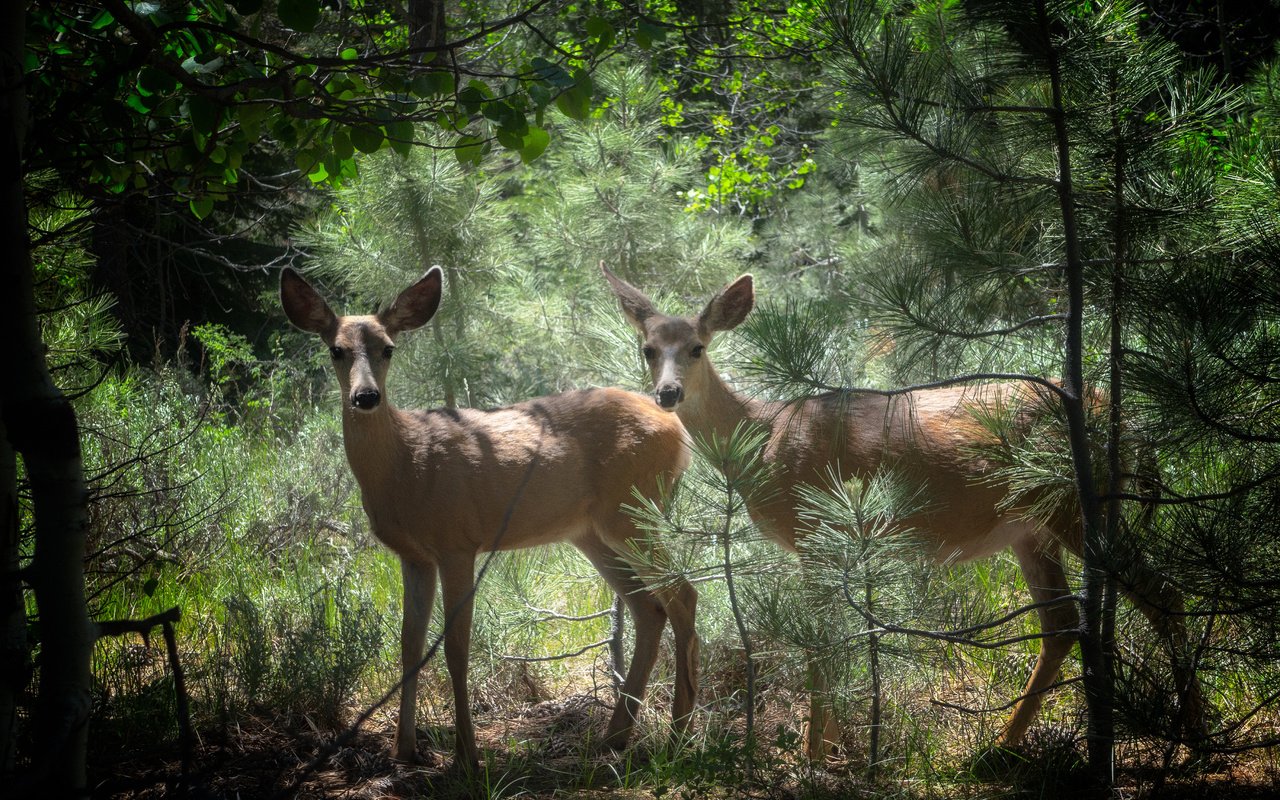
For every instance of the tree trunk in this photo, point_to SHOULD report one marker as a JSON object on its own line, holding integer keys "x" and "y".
{"x": 1100, "y": 730}
{"x": 41, "y": 427}
{"x": 14, "y": 654}
{"x": 427, "y": 27}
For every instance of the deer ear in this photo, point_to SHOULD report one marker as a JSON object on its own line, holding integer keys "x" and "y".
{"x": 730, "y": 307}
{"x": 635, "y": 305}
{"x": 415, "y": 306}
{"x": 304, "y": 307}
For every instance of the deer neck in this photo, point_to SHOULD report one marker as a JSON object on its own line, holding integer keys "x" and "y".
{"x": 374, "y": 443}
{"x": 717, "y": 409}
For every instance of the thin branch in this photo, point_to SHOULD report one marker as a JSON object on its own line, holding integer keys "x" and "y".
{"x": 1004, "y": 706}
{"x": 549, "y": 615}
{"x": 1051, "y": 385}
{"x": 561, "y": 656}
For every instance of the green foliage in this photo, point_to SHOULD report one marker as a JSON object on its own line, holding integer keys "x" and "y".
{"x": 799, "y": 347}
{"x": 226, "y": 351}
{"x": 304, "y": 655}
{"x": 83, "y": 335}
{"x": 192, "y": 91}
{"x": 1034, "y": 155}
{"x": 750, "y": 99}
{"x": 220, "y": 485}
{"x": 611, "y": 192}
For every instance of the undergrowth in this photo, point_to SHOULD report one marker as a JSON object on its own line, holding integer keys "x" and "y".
{"x": 291, "y": 617}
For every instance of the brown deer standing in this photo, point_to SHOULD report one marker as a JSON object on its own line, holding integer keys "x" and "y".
{"x": 929, "y": 435}
{"x": 441, "y": 486}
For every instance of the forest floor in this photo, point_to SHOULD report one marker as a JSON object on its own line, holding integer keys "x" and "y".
{"x": 543, "y": 750}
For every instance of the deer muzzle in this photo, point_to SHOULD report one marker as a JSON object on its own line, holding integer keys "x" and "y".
{"x": 366, "y": 399}
{"x": 669, "y": 396}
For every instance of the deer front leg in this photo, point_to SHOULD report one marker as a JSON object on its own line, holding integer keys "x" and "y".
{"x": 457, "y": 581}
{"x": 419, "y": 595}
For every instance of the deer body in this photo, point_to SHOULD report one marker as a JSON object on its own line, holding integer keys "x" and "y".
{"x": 441, "y": 486}
{"x": 412, "y": 464}
{"x": 926, "y": 436}
{"x": 929, "y": 437}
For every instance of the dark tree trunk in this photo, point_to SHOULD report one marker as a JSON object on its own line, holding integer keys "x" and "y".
{"x": 40, "y": 426}
{"x": 1098, "y": 688}
{"x": 427, "y": 21}
{"x": 14, "y": 653}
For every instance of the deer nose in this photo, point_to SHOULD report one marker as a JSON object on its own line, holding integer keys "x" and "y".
{"x": 669, "y": 396}
{"x": 366, "y": 399}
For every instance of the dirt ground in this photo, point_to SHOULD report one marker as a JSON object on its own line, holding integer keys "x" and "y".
{"x": 543, "y": 750}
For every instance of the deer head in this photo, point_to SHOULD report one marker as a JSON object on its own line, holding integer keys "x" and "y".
{"x": 361, "y": 346}
{"x": 675, "y": 347}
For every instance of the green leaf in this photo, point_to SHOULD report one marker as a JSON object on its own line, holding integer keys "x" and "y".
{"x": 469, "y": 150}
{"x": 349, "y": 54}
{"x": 252, "y": 114}
{"x": 138, "y": 103}
{"x": 506, "y": 116}
{"x": 647, "y": 33}
{"x": 535, "y": 141}
{"x": 539, "y": 95}
{"x": 599, "y": 28}
{"x": 575, "y": 102}
{"x": 572, "y": 106}
{"x": 301, "y": 15}
{"x": 473, "y": 96}
{"x": 342, "y": 146}
{"x": 201, "y": 206}
{"x": 509, "y": 139}
{"x": 366, "y": 138}
{"x": 400, "y": 136}
{"x": 433, "y": 84}
{"x": 553, "y": 74}
{"x": 306, "y": 160}
{"x": 205, "y": 114}
{"x": 154, "y": 81}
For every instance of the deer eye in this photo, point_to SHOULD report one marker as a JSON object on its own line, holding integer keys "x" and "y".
{"x": 650, "y": 353}
{"x": 336, "y": 352}
{"x": 387, "y": 351}
{"x": 697, "y": 350}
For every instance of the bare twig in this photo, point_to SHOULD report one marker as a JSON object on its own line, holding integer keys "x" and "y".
{"x": 559, "y": 657}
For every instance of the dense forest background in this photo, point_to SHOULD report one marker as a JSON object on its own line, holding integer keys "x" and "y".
{"x": 923, "y": 191}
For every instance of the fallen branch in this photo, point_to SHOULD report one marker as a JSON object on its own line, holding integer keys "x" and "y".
{"x": 165, "y": 620}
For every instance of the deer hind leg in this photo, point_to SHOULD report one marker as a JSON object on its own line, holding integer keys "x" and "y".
{"x": 419, "y": 595}
{"x": 1042, "y": 568}
{"x": 649, "y": 618}
{"x": 457, "y": 581}
{"x": 1161, "y": 603}
{"x": 650, "y": 565}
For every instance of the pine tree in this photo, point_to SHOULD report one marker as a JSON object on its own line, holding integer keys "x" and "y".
{"x": 1057, "y": 209}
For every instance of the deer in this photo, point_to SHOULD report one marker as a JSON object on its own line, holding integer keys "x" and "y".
{"x": 441, "y": 486}
{"x": 929, "y": 434}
